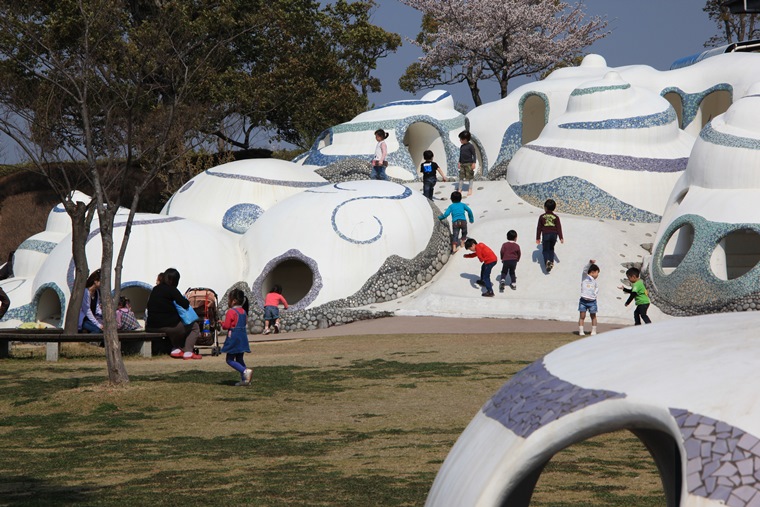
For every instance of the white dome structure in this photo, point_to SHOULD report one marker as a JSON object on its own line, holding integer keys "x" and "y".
{"x": 707, "y": 252}
{"x": 338, "y": 236}
{"x": 430, "y": 123}
{"x": 683, "y": 393}
{"x": 615, "y": 153}
{"x": 233, "y": 196}
{"x": 156, "y": 243}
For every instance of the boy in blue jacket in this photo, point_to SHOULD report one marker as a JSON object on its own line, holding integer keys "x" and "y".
{"x": 457, "y": 209}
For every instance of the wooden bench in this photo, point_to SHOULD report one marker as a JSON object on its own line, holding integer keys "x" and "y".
{"x": 53, "y": 338}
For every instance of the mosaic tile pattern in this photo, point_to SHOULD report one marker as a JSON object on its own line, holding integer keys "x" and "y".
{"x": 624, "y": 162}
{"x": 692, "y": 101}
{"x": 240, "y": 217}
{"x": 635, "y": 122}
{"x": 723, "y": 461}
{"x": 510, "y": 143}
{"x": 186, "y": 186}
{"x": 597, "y": 89}
{"x": 258, "y": 288}
{"x": 713, "y": 136}
{"x": 413, "y": 102}
{"x": 400, "y": 157}
{"x": 36, "y": 245}
{"x": 577, "y": 196}
{"x": 534, "y": 398}
{"x": 266, "y": 181}
{"x": 692, "y": 287}
{"x": 540, "y": 95}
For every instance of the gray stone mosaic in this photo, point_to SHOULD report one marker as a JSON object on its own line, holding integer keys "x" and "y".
{"x": 292, "y": 254}
{"x": 577, "y": 196}
{"x": 692, "y": 288}
{"x": 723, "y": 461}
{"x": 510, "y": 143}
{"x": 635, "y": 122}
{"x": 623, "y": 162}
{"x": 36, "y": 245}
{"x": 266, "y": 181}
{"x": 395, "y": 278}
{"x": 534, "y": 398}
{"x": 240, "y": 217}
{"x": 692, "y": 101}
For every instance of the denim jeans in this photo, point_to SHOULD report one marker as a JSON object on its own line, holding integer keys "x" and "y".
{"x": 548, "y": 240}
{"x": 485, "y": 275}
{"x": 378, "y": 173}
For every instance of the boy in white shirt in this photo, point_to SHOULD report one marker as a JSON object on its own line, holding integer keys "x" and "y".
{"x": 589, "y": 291}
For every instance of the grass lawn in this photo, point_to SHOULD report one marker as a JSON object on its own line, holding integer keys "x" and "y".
{"x": 358, "y": 420}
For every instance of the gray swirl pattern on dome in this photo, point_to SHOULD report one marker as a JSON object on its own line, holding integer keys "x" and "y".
{"x": 723, "y": 461}
{"x": 534, "y": 398}
{"x": 37, "y": 245}
{"x": 623, "y": 162}
{"x": 596, "y": 89}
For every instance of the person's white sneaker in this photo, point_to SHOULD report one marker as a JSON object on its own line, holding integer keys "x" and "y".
{"x": 580, "y": 332}
{"x": 593, "y": 331}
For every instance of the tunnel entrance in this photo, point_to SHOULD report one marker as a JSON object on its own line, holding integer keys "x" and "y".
{"x": 49, "y": 307}
{"x": 294, "y": 276}
{"x": 422, "y": 136}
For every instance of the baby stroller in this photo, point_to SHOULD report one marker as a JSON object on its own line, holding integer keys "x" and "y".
{"x": 204, "y": 302}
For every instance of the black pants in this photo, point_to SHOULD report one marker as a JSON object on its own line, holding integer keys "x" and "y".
{"x": 641, "y": 313}
{"x": 508, "y": 268}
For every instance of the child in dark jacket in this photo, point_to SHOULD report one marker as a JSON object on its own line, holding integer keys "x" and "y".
{"x": 510, "y": 256}
{"x": 488, "y": 259}
{"x": 548, "y": 230}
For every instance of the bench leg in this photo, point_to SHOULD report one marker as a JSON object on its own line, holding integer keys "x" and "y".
{"x": 5, "y": 349}
{"x": 52, "y": 351}
{"x": 145, "y": 348}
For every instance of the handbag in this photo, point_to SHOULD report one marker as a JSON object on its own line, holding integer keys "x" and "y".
{"x": 188, "y": 316}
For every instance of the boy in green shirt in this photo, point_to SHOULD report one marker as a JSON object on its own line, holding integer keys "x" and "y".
{"x": 639, "y": 293}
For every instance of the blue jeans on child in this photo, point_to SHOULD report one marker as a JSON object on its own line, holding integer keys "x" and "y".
{"x": 236, "y": 361}
{"x": 378, "y": 173}
{"x": 485, "y": 275}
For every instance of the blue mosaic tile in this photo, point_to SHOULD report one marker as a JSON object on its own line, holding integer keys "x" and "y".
{"x": 691, "y": 101}
{"x": 597, "y": 89}
{"x": 186, "y": 186}
{"x": 240, "y": 217}
{"x": 635, "y": 122}
{"x": 713, "y": 136}
{"x": 443, "y": 96}
{"x": 624, "y": 162}
{"x": 577, "y": 196}
{"x": 36, "y": 245}
{"x": 258, "y": 290}
{"x": 534, "y": 398}
{"x": 266, "y": 181}
{"x": 510, "y": 143}
{"x": 693, "y": 285}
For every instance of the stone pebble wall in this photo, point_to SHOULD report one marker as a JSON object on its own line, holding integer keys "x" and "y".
{"x": 397, "y": 277}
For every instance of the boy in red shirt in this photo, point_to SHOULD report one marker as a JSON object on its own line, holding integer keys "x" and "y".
{"x": 488, "y": 258}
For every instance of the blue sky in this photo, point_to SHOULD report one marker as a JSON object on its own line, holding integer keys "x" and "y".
{"x": 649, "y": 32}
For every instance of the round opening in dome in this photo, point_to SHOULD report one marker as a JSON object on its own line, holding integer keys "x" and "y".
{"x": 677, "y": 247}
{"x": 533, "y": 118}
{"x": 294, "y": 276}
{"x": 138, "y": 299}
{"x": 49, "y": 308}
{"x": 422, "y": 136}
{"x": 736, "y": 254}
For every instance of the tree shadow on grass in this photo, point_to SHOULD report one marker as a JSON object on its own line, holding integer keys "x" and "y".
{"x": 21, "y": 490}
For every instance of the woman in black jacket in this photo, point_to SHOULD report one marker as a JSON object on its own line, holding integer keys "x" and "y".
{"x": 163, "y": 316}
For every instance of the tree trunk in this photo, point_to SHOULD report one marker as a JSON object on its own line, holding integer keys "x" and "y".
{"x": 79, "y": 231}
{"x": 117, "y": 372}
{"x": 474, "y": 91}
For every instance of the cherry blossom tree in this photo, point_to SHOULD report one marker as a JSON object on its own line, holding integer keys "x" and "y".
{"x": 732, "y": 27}
{"x": 476, "y": 40}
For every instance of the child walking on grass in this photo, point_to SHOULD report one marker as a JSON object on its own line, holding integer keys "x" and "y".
{"x": 236, "y": 344}
{"x": 488, "y": 259}
{"x": 638, "y": 292}
{"x": 272, "y": 309}
{"x": 589, "y": 292}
